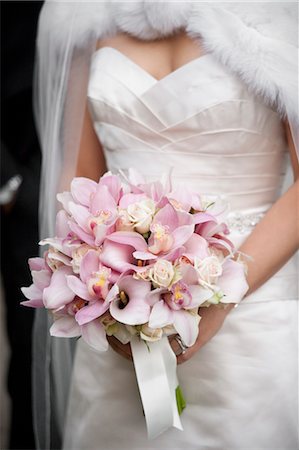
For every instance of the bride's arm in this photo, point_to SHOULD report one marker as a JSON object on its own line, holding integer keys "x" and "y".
{"x": 273, "y": 241}
{"x": 91, "y": 161}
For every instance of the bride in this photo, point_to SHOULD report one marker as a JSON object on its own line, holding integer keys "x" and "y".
{"x": 209, "y": 90}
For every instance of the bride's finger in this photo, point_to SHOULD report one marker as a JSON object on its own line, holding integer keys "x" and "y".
{"x": 122, "y": 349}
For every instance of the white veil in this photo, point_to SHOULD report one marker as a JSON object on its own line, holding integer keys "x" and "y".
{"x": 61, "y": 74}
{"x": 67, "y": 37}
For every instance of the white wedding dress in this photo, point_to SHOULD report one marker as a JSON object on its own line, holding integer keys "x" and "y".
{"x": 241, "y": 387}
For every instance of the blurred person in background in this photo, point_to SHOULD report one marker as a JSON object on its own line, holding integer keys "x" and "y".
{"x": 20, "y": 166}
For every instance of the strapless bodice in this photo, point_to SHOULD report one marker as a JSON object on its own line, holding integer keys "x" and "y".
{"x": 200, "y": 120}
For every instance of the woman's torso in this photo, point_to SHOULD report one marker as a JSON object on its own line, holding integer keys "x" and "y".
{"x": 168, "y": 104}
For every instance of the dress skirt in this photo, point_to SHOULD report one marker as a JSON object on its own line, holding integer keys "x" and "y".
{"x": 241, "y": 388}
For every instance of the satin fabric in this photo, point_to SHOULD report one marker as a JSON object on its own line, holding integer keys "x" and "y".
{"x": 220, "y": 139}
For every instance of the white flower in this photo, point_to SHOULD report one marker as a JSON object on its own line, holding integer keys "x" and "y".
{"x": 150, "y": 334}
{"x": 141, "y": 214}
{"x": 208, "y": 269}
{"x": 123, "y": 222}
{"x": 162, "y": 273}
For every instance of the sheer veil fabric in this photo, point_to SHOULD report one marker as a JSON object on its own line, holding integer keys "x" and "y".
{"x": 256, "y": 41}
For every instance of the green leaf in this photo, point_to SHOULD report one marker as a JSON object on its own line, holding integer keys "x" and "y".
{"x": 180, "y": 400}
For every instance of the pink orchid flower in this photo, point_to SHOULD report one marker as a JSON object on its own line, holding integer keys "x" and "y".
{"x": 94, "y": 223}
{"x": 127, "y": 300}
{"x": 169, "y": 230}
{"x": 49, "y": 288}
{"x": 168, "y": 309}
{"x": 93, "y": 207}
{"x": 233, "y": 281}
{"x": 121, "y": 251}
{"x": 58, "y": 294}
{"x": 156, "y": 190}
{"x": 214, "y": 233}
{"x": 92, "y": 286}
{"x": 62, "y": 246}
{"x": 66, "y": 325}
{"x": 83, "y": 189}
{"x": 41, "y": 277}
{"x": 178, "y": 306}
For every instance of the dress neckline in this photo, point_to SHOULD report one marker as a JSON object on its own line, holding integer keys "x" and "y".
{"x": 127, "y": 59}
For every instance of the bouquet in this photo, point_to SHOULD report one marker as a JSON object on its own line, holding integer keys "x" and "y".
{"x": 134, "y": 260}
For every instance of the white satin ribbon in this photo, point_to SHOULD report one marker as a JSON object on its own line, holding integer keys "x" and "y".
{"x": 157, "y": 381}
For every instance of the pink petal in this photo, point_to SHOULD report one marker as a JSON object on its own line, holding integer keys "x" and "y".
{"x": 202, "y": 217}
{"x": 199, "y": 296}
{"x": 37, "y": 264}
{"x": 90, "y": 263}
{"x": 182, "y": 234}
{"x": 233, "y": 282}
{"x": 91, "y": 312}
{"x": 135, "y": 313}
{"x": 79, "y": 288}
{"x": 134, "y": 288}
{"x": 81, "y": 189}
{"x": 114, "y": 291}
{"x": 117, "y": 257}
{"x": 62, "y": 228}
{"x": 137, "y": 310}
{"x": 186, "y": 325}
{"x": 189, "y": 274}
{"x": 128, "y": 199}
{"x": 81, "y": 234}
{"x": 154, "y": 296}
{"x": 182, "y": 196}
{"x": 221, "y": 243}
{"x": 65, "y": 327}
{"x": 94, "y": 335}
{"x": 41, "y": 279}
{"x": 196, "y": 202}
{"x": 58, "y": 293}
{"x": 32, "y": 292}
{"x": 65, "y": 198}
{"x": 100, "y": 232}
{"x": 197, "y": 246}
{"x": 144, "y": 256}
{"x": 167, "y": 216}
{"x": 129, "y": 238}
{"x": 113, "y": 184}
{"x": 160, "y": 316}
{"x": 81, "y": 216}
{"x": 185, "y": 218}
{"x": 172, "y": 255}
{"x": 33, "y": 303}
{"x": 102, "y": 200}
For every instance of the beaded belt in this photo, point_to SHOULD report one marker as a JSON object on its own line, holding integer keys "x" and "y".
{"x": 242, "y": 222}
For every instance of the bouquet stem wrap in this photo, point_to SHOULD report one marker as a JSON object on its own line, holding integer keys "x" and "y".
{"x": 155, "y": 368}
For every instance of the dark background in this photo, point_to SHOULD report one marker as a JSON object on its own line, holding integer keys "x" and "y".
{"x": 20, "y": 154}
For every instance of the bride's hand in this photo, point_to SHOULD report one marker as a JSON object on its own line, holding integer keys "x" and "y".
{"x": 212, "y": 319}
{"x": 122, "y": 349}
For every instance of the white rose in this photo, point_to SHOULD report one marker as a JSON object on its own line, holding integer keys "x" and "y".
{"x": 208, "y": 269}
{"x": 123, "y": 222}
{"x": 141, "y": 214}
{"x": 162, "y": 273}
